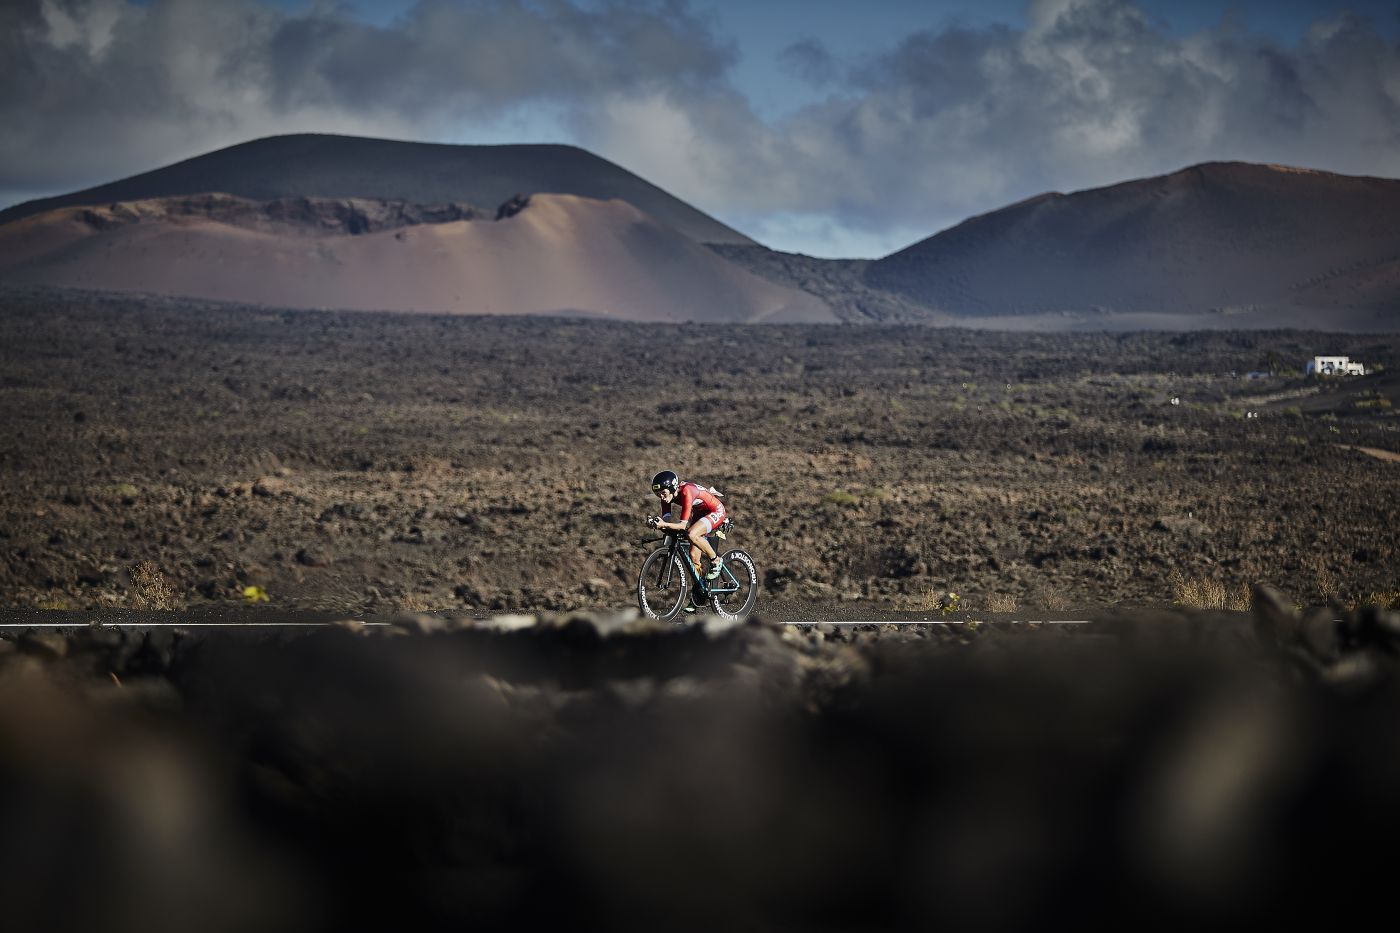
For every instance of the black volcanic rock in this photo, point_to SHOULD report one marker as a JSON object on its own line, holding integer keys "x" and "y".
{"x": 326, "y": 216}
{"x": 515, "y": 205}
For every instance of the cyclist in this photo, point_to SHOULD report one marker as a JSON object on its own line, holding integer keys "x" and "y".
{"x": 701, "y": 512}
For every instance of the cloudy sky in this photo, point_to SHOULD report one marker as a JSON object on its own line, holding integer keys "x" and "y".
{"x": 831, "y": 127}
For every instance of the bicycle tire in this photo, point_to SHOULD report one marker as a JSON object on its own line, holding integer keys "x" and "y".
{"x": 738, "y": 569}
{"x": 658, "y": 597}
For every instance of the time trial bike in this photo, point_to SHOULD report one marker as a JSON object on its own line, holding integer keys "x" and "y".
{"x": 669, "y": 582}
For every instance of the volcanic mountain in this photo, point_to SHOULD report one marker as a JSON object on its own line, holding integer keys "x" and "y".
{"x": 546, "y": 254}
{"x": 1220, "y": 244}
{"x": 340, "y": 167}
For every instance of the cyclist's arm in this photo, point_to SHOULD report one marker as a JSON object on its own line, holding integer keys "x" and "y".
{"x": 688, "y": 516}
{"x": 684, "y": 523}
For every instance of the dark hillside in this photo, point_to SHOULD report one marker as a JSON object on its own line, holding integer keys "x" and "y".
{"x": 1310, "y": 248}
{"x": 324, "y": 166}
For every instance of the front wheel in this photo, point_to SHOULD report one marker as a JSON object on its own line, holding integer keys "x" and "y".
{"x": 663, "y": 585}
{"x": 733, "y": 595}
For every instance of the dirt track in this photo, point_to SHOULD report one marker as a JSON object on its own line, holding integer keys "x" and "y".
{"x": 773, "y": 611}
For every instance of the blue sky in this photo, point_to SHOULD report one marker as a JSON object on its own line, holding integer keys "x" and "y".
{"x": 826, "y": 127}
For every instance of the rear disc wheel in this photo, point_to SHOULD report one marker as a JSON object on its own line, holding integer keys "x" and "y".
{"x": 733, "y": 594}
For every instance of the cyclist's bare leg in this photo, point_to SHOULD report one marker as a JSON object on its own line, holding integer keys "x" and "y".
{"x": 699, "y": 543}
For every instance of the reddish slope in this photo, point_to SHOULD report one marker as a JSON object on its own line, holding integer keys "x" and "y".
{"x": 561, "y": 254}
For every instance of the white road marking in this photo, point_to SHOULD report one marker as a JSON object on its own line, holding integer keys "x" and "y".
{"x": 177, "y": 624}
{"x": 953, "y": 622}
{"x": 89, "y": 625}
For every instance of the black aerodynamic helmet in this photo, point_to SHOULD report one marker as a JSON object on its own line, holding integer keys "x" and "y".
{"x": 666, "y": 479}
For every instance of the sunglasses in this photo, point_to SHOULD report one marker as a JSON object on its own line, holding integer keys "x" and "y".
{"x": 659, "y": 489}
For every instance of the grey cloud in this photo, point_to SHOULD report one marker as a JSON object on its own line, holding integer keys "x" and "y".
{"x": 1093, "y": 92}
{"x": 950, "y": 122}
{"x": 474, "y": 58}
{"x": 93, "y": 89}
{"x": 812, "y": 62}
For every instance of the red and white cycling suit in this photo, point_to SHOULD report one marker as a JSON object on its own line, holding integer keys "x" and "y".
{"x": 698, "y": 502}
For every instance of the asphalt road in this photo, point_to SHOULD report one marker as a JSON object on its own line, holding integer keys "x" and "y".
{"x": 781, "y": 613}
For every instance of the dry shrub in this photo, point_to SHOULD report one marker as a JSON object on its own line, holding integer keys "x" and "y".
{"x": 1323, "y": 578}
{"x": 944, "y": 601}
{"x": 1056, "y": 601}
{"x": 1001, "y": 603}
{"x": 152, "y": 590}
{"x": 412, "y": 602}
{"x": 1210, "y": 594}
{"x": 1385, "y": 599}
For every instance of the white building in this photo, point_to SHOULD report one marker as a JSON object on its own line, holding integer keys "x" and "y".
{"x": 1334, "y": 366}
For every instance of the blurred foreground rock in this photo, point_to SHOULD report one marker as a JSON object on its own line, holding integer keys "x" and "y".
{"x": 605, "y": 772}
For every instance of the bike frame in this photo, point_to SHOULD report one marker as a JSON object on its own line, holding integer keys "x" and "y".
{"x": 706, "y": 588}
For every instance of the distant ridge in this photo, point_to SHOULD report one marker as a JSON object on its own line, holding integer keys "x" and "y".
{"x": 1218, "y": 245}
{"x": 328, "y": 166}
{"x": 1298, "y": 247}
